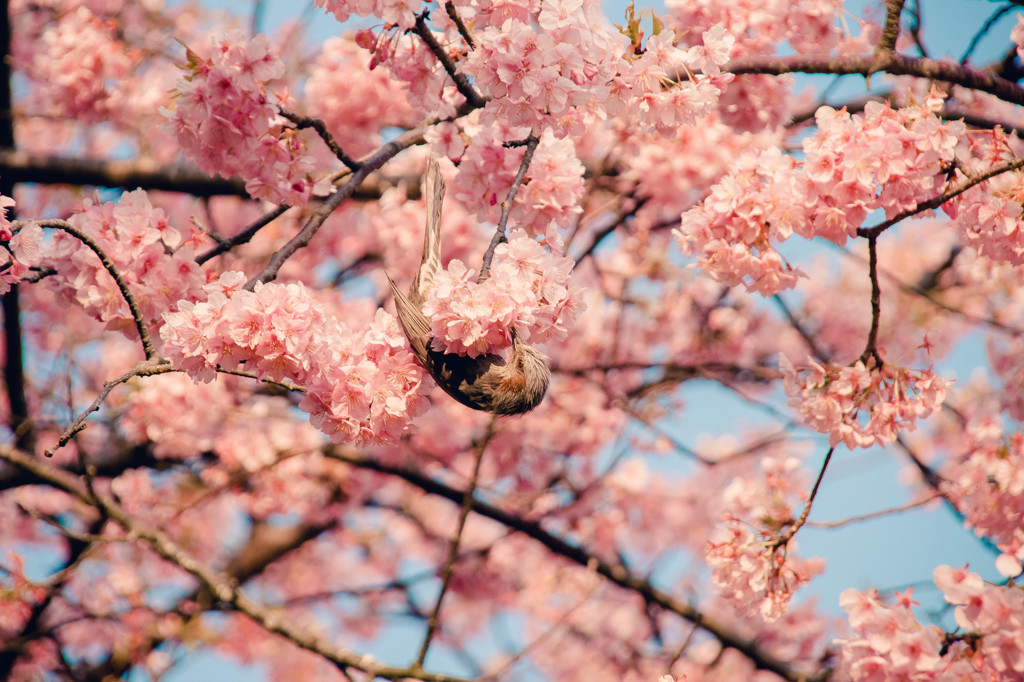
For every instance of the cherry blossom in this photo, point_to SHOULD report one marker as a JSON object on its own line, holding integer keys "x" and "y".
{"x": 888, "y": 642}
{"x": 226, "y": 120}
{"x": 860, "y": 406}
{"x": 528, "y": 289}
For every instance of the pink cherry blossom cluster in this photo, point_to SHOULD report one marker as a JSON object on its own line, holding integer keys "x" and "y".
{"x": 748, "y": 570}
{"x": 889, "y": 643}
{"x": 528, "y": 289}
{"x": 888, "y": 159}
{"x": 732, "y": 231}
{"x": 401, "y": 13}
{"x": 80, "y": 62}
{"x": 858, "y": 406}
{"x": 226, "y": 121}
{"x": 990, "y": 215}
{"x": 986, "y": 483}
{"x": 810, "y": 26}
{"x": 154, "y": 259}
{"x": 18, "y": 252}
{"x": 758, "y": 101}
{"x": 548, "y": 200}
{"x": 354, "y": 102}
{"x": 565, "y": 67}
{"x": 359, "y": 387}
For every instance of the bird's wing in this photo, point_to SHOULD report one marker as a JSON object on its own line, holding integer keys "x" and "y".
{"x": 433, "y": 191}
{"x": 414, "y": 323}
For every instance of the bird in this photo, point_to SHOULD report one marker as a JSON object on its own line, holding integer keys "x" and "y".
{"x": 489, "y": 382}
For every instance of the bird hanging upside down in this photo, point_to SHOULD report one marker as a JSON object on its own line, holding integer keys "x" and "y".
{"x": 487, "y": 382}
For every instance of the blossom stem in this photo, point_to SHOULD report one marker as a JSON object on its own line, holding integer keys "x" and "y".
{"x": 506, "y": 206}
{"x": 784, "y": 539}
{"x": 871, "y": 350}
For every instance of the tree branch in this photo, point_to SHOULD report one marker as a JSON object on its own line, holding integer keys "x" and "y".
{"x": 462, "y": 84}
{"x": 898, "y": 65}
{"x": 506, "y": 206}
{"x": 140, "y": 324}
{"x": 368, "y": 165}
{"x": 891, "y": 30}
{"x": 139, "y": 173}
{"x": 433, "y": 621}
{"x": 147, "y": 368}
{"x": 321, "y": 129}
{"x": 939, "y": 200}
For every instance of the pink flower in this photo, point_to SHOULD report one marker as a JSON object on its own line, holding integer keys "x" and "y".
{"x": 835, "y": 399}
{"x": 226, "y": 120}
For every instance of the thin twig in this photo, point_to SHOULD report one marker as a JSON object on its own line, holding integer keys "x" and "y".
{"x": 871, "y": 349}
{"x": 434, "y": 620}
{"x": 108, "y": 264}
{"x": 619, "y": 221}
{"x": 368, "y": 165}
{"x": 976, "y": 38}
{"x": 799, "y": 327}
{"x": 877, "y": 514}
{"x": 506, "y": 206}
{"x": 320, "y": 127}
{"x": 243, "y": 236}
{"x": 539, "y": 639}
{"x": 939, "y": 200}
{"x": 146, "y": 368}
{"x": 784, "y": 539}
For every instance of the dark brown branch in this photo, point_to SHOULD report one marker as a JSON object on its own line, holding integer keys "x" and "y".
{"x": 14, "y": 372}
{"x": 784, "y": 539}
{"x": 321, "y": 129}
{"x": 939, "y": 200}
{"x": 897, "y": 65}
{"x": 244, "y": 235}
{"x": 140, "y": 323}
{"x": 871, "y": 348}
{"x": 138, "y": 173}
{"x": 506, "y": 206}
{"x": 462, "y": 84}
{"x": 453, "y": 14}
{"x": 615, "y": 572}
{"x": 368, "y": 165}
